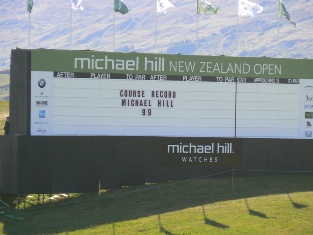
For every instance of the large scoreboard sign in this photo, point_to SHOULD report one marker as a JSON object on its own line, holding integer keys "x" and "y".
{"x": 132, "y": 94}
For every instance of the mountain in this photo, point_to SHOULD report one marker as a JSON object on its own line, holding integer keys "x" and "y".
{"x": 53, "y": 25}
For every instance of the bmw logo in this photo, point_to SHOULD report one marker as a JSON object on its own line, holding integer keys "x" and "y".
{"x": 41, "y": 83}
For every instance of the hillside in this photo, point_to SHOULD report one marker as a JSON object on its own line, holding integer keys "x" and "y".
{"x": 4, "y": 86}
{"x": 181, "y": 30}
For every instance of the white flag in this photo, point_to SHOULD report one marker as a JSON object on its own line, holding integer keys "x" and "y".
{"x": 247, "y": 8}
{"x": 162, "y": 5}
{"x": 76, "y": 4}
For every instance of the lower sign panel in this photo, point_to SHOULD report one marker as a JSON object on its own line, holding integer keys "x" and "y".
{"x": 206, "y": 152}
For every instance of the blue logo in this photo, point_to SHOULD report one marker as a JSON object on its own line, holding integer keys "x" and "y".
{"x": 308, "y": 134}
{"x": 308, "y": 106}
{"x": 42, "y": 113}
{"x": 41, "y": 83}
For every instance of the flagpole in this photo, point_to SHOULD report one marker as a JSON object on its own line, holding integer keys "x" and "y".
{"x": 197, "y": 33}
{"x": 278, "y": 40}
{"x": 238, "y": 28}
{"x": 197, "y": 28}
{"x": 237, "y": 35}
{"x": 113, "y": 31}
{"x": 28, "y": 30}
{"x": 71, "y": 25}
{"x": 156, "y": 31}
{"x": 29, "y": 4}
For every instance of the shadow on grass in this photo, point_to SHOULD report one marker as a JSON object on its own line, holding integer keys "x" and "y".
{"x": 162, "y": 229}
{"x": 130, "y": 203}
{"x": 295, "y": 204}
{"x": 212, "y": 222}
{"x": 254, "y": 212}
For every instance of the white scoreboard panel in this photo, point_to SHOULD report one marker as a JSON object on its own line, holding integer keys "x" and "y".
{"x": 111, "y": 104}
{"x": 93, "y": 106}
{"x": 268, "y": 110}
{"x": 116, "y": 94}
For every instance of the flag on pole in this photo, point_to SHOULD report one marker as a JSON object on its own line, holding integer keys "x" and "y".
{"x": 205, "y": 7}
{"x": 29, "y": 5}
{"x": 162, "y": 5}
{"x": 246, "y": 8}
{"x": 76, "y": 4}
{"x": 284, "y": 13}
{"x": 120, "y": 6}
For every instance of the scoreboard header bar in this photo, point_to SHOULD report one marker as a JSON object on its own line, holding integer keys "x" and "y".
{"x": 139, "y": 63}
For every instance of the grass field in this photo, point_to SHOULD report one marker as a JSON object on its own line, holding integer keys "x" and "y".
{"x": 4, "y": 112}
{"x": 4, "y": 89}
{"x": 252, "y": 204}
{"x": 4, "y": 105}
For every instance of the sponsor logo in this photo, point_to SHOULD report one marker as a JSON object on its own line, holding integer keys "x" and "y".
{"x": 308, "y": 106}
{"x": 41, "y": 123}
{"x": 309, "y": 115}
{"x": 200, "y": 149}
{"x": 41, "y": 83}
{"x": 42, "y": 113}
{"x": 41, "y": 95}
{"x": 308, "y": 134}
{"x": 41, "y": 131}
{"x": 41, "y": 103}
{"x": 309, "y": 98}
{"x": 308, "y": 125}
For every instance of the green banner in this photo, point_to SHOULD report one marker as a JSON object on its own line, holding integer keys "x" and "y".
{"x": 140, "y": 63}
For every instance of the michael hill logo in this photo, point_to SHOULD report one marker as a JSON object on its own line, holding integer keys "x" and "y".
{"x": 206, "y": 152}
{"x": 212, "y": 153}
{"x": 225, "y": 148}
{"x": 157, "y": 64}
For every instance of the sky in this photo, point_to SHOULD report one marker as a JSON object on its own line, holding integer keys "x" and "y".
{"x": 54, "y": 25}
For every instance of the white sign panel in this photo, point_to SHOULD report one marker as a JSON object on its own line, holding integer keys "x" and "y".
{"x": 190, "y": 106}
{"x": 92, "y": 106}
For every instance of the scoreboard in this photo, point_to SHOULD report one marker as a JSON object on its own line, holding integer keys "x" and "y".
{"x": 133, "y": 94}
